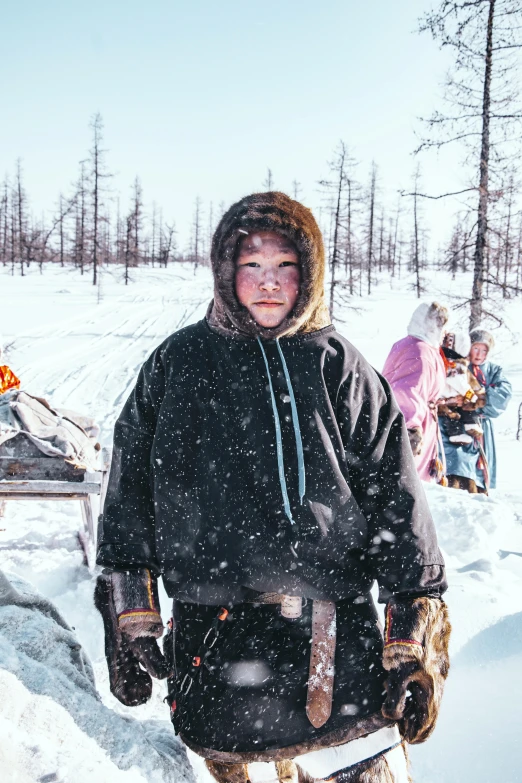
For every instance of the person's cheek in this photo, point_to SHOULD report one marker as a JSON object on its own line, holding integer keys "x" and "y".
{"x": 245, "y": 284}
{"x": 292, "y": 283}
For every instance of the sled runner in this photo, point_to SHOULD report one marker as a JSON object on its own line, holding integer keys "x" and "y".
{"x": 27, "y": 474}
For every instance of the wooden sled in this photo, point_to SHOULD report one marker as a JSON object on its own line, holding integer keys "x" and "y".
{"x": 28, "y": 474}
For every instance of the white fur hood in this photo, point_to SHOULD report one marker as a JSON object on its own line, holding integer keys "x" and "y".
{"x": 427, "y": 323}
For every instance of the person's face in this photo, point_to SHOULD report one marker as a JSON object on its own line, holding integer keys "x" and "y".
{"x": 478, "y": 353}
{"x": 448, "y": 341}
{"x": 268, "y": 276}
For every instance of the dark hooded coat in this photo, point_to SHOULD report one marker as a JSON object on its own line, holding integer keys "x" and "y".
{"x": 196, "y": 494}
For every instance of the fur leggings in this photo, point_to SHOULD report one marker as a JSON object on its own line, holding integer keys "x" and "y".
{"x": 391, "y": 767}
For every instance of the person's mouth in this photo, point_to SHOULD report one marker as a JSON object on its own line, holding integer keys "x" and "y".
{"x": 268, "y": 303}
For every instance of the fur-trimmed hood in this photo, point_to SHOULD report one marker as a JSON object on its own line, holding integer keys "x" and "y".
{"x": 458, "y": 342}
{"x": 271, "y": 211}
{"x": 481, "y": 335}
{"x": 427, "y": 323}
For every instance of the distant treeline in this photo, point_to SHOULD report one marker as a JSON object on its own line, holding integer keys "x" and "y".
{"x": 366, "y": 240}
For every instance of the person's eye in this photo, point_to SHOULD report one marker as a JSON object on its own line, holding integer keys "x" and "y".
{"x": 251, "y": 263}
{"x": 288, "y": 263}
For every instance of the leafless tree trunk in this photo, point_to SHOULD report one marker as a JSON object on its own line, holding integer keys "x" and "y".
{"x": 81, "y": 196}
{"x": 128, "y": 251}
{"x": 268, "y": 184}
{"x": 381, "y": 239}
{"x": 518, "y": 278}
{"x": 5, "y": 222}
{"x": 20, "y": 196}
{"x": 167, "y": 244}
{"x": 337, "y": 226}
{"x": 13, "y": 236}
{"x": 137, "y": 209}
{"x": 369, "y": 257}
{"x": 485, "y": 116}
{"x": 97, "y": 174}
{"x": 507, "y": 254}
{"x": 416, "y": 259}
{"x": 62, "y": 261}
{"x": 476, "y": 306}
{"x": 349, "y": 244}
{"x": 96, "y": 126}
{"x": 336, "y": 200}
{"x": 296, "y": 189}
{"x": 196, "y": 227}
{"x": 154, "y": 228}
{"x": 210, "y": 233}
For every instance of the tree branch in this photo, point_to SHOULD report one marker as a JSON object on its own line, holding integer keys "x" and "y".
{"x": 435, "y": 198}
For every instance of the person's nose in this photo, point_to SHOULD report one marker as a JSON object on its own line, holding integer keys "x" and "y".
{"x": 269, "y": 281}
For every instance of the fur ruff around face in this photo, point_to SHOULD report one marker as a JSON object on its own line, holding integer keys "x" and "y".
{"x": 277, "y": 212}
{"x": 427, "y": 323}
{"x": 482, "y": 336}
{"x": 416, "y": 656}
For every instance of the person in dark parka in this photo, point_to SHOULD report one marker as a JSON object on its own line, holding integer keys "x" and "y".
{"x": 264, "y": 470}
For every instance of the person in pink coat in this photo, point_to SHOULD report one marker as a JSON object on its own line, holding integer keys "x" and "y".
{"x": 415, "y": 371}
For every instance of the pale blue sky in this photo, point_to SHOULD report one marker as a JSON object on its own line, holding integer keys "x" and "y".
{"x": 200, "y": 97}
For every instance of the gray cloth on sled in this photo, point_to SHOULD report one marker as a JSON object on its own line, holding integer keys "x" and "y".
{"x": 41, "y": 650}
{"x": 55, "y": 431}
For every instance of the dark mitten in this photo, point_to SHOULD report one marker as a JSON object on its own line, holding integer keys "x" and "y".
{"x": 415, "y": 436}
{"x": 416, "y": 658}
{"x": 128, "y": 604}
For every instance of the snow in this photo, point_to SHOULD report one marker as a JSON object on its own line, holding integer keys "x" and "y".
{"x": 81, "y": 347}
{"x": 57, "y": 726}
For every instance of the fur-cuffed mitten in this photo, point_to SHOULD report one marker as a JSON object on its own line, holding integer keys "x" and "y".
{"x": 416, "y": 658}
{"x": 128, "y": 603}
{"x": 415, "y": 436}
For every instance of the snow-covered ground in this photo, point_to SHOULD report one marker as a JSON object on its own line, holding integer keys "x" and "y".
{"x": 81, "y": 347}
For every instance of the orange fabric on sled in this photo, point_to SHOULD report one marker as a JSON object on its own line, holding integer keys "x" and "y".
{"x": 8, "y": 379}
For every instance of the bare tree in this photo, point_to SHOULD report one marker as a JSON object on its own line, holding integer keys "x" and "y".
{"x": 196, "y": 233}
{"x": 80, "y": 249}
{"x": 396, "y": 237}
{"x": 518, "y": 267}
{"x": 508, "y": 243}
{"x": 13, "y": 236}
{"x": 97, "y": 174}
{"x": 62, "y": 232}
{"x": 4, "y": 221}
{"x": 153, "y": 234}
{"x": 416, "y": 237}
{"x": 483, "y": 104}
{"x": 210, "y": 233}
{"x": 128, "y": 246}
{"x": 268, "y": 184}
{"x": 335, "y": 193}
{"x": 349, "y": 250}
{"x": 167, "y": 243}
{"x": 137, "y": 218}
{"x": 296, "y": 189}
{"x": 20, "y": 198}
{"x": 371, "y": 226}
{"x": 381, "y": 240}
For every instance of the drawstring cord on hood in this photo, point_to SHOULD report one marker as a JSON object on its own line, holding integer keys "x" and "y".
{"x": 297, "y": 429}
{"x": 279, "y": 439}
